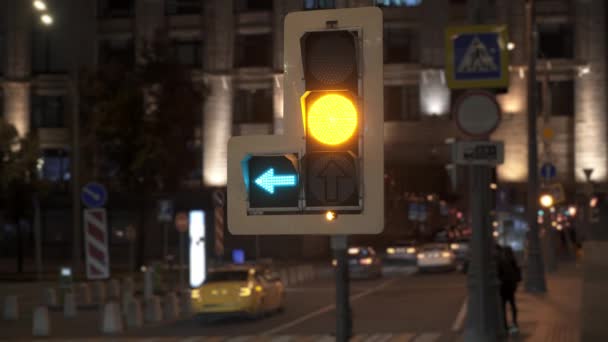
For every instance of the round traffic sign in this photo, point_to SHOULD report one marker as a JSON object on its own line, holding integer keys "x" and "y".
{"x": 548, "y": 133}
{"x": 477, "y": 113}
{"x": 181, "y": 222}
{"x": 94, "y": 195}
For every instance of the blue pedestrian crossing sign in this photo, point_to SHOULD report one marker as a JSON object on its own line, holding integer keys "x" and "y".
{"x": 548, "y": 171}
{"x": 477, "y": 57}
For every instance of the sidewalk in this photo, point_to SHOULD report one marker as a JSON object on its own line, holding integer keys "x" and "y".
{"x": 555, "y": 315}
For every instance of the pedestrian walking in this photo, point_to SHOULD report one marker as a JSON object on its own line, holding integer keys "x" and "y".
{"x": 509, "y": 274}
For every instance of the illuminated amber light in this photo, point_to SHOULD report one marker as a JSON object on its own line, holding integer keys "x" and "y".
{"x": 546, "y": 200}
{"x": 332, "y": 119}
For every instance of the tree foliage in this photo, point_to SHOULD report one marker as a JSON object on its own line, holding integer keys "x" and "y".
{"x": 141, "y": 121}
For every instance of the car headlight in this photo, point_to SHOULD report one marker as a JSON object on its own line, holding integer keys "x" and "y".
{"x": 390, "y": 250}
{"x": 366, "y": 261}
{"x": 454, "y": 246}
{"x": 420, "y": 256}
{"x": 245, "y": 292}
{"x": 446, "y": 254}
{"x": 411, "y": 250}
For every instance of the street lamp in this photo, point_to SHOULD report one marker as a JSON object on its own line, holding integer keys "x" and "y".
{"x": 46, "y": 19}
{"x": 39, "y": 5}
{"x": 546, "y": 200}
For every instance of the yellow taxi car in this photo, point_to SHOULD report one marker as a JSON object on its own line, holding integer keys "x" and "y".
{"x": 249, "y": 291}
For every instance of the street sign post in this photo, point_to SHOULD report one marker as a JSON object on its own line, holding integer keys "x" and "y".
{"x": 330, "y": 157}
{"x": 477, "y": 57}
{"x": 94, "y": 195}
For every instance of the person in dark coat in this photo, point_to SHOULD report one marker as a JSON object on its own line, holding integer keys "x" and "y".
{"x": 509, "y": 274}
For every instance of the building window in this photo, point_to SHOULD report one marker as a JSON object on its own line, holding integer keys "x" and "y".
{"x": 562, "y": 98}
{"x": 188, "y": 53}
{"x": 555, "y": 40}
{"x": 398, "y": 3}
{"x": 253, "y": 106}
{"x": 54, "y": 165}
{"x": 252, "y": 5}
{"x": 116, "y": 8}
{"x": 253, "y": 50}
{"x": 401, "y": 45}
{"x": 401, "y": 103}
{"x": 48, "y": 55}
{"x": 116, "y": 51}
{"x": 183, "y": 7}
{"x": 319, "y": 4}
{"x": 47, "y": 111}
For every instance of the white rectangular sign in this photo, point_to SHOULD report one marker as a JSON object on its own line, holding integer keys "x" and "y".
{"x": 478, "y": 152}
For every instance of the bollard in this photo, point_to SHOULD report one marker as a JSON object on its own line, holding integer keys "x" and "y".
{"x": 171, "y": 306}
{"x": 128, "y": 286}
{"x": 99, "y": 290}
{"x": 69, "y": 305}
{"x": 134, "y": 316}
{"x": 113, "y": 289}
{"x": 50, "y": 297}
{"x": 41, "y": 324}
{"x": 285, "y": 276}
{"x": 293, "y": 275}
{"x": 125, "y": 301}
{"x": 148, "y": 284}
{"x": 111, "y": 322}
{"x": 85, "y": 294}
{"x": 185, "y": 299}
{"x": 11, "y": 308}
{"x": 153, "y": 310}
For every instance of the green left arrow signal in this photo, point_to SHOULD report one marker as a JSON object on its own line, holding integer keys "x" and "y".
{"x": 268, "y": 181}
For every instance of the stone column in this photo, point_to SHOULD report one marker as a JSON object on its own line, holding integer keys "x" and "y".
{"x": 590, "y": 91}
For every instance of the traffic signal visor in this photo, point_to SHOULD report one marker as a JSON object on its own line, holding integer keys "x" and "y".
{"x": 330, "y": 117}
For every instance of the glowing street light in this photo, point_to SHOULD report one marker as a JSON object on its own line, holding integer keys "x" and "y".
{"x": 39, "y": 5}
{"x": 46, "y": 19}
{"x": 510, "y": 46}
{"x": 331, "y": 215}
{"x": 546, "y": 200}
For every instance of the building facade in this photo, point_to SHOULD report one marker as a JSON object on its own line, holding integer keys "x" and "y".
{"x": 236, "y": 48}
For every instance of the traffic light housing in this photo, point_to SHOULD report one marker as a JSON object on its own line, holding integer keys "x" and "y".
{"x": 333, "y": 127}
{"x": 332, "y": 119}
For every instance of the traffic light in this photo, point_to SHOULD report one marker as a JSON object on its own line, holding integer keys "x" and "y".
{"x": 331, "y": 117}
{"x": 325, "y": 173}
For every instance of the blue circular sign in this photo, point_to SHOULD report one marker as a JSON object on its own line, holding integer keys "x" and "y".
{"x": 94, "y": 195}
{"x": 548, "y": 171}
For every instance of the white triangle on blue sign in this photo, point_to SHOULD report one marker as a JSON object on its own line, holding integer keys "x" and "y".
{"x": 477, "y": 58}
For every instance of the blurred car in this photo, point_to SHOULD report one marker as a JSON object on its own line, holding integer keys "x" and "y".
{"x": 363, "y": 262}
{"x": 401, "y": 252}
{"x": 461, "y": 249}
{"x": 436, "y": 256}
{"x": 239, "y": 290}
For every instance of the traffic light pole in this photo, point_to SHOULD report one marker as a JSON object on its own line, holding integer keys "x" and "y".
{"x": 534, "y": 281}
{"x": 339, "y": 245}
{"x": 484, "y": 321}
{"x": 484, "y": 318}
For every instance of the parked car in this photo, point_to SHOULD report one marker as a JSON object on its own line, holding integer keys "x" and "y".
{"x": 436, "y": 257}
{"x": 363, "y": 262}
{"x": 239, "y": 290}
